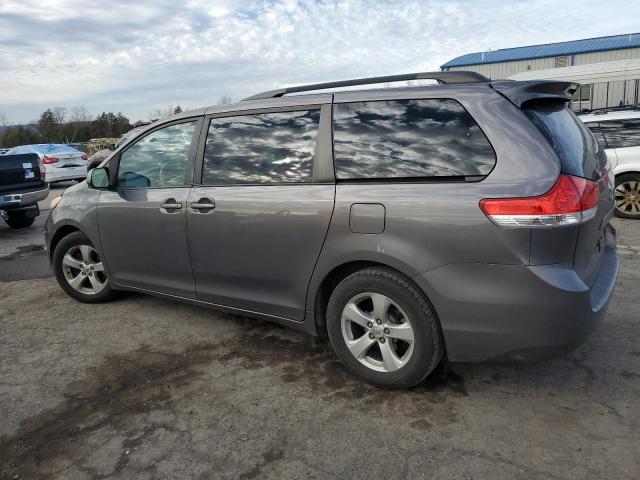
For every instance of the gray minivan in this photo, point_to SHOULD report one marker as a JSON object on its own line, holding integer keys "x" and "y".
{"x": 468, "y": 219}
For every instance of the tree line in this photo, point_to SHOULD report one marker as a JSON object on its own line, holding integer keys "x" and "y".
{"x": 76, "y": 125}
{"x": 59, "y": 125}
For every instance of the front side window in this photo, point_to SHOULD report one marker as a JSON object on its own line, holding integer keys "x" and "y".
{"x": 397, "y": 139}
{"x": 621, "y": 133}
{"x": 262, "y": 148}
{"x": 158, "y": 159}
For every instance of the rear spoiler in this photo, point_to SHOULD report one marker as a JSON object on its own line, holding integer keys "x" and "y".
{"x": 520, "y": 92}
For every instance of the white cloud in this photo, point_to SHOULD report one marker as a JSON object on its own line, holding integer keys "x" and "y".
{"x": 136, "y": 56}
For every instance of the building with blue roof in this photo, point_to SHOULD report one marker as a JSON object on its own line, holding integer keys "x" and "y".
{"x": 608, "y": 67}
{"x": 572, "y": 48}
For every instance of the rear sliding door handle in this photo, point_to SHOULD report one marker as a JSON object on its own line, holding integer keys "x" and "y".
{"x": 204, "y": 205}
{"x": 170, "y": 206}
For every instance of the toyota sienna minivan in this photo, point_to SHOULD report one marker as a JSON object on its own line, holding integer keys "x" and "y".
{"x": 466, "y": 219}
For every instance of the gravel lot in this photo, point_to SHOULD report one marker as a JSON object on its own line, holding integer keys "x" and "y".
{"x": 145, "y": 388}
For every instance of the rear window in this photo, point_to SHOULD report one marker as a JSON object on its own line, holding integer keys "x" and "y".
{"x": 579, "y": 152}
{"x": 396, "y": 139}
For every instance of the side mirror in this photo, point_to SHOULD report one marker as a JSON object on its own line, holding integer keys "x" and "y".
{"x": 112, "y": 146}
{"x": 98, "y": 178}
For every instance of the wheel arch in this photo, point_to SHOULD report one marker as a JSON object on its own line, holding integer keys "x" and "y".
{"x": 626, "y": 169}
{"x": 66, "y": 228}
{"x": 339, "y": 272}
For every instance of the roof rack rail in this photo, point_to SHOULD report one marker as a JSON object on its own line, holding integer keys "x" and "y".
{"x": 458, "y": 76}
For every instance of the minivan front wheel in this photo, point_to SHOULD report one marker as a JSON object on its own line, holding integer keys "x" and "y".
{"x": 384, "y": 329}
{"x": 79, "y": 269}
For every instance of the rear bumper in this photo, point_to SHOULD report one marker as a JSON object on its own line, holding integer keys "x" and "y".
{"x": 522, "y": 313}
{"x": 58, "y": 174}
{"x": 14, "y": 201}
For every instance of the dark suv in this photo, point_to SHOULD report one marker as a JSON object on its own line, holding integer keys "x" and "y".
{"x": 468, "y": 219}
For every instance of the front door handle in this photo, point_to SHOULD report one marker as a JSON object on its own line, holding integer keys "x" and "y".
{"x": 170, "y": 206}
{"x": 204, "y": 205}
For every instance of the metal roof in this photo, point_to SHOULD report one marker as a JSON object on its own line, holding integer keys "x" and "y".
{"x": 616, "y": 42}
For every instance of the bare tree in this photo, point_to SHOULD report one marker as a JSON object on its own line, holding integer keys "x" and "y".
{"x": 80, "y": 113}
{"x": 159, "y": 113}
{"x": 4, "y": 121}
{"x": 224, "y": 100}
{"x": 59, "y": 114}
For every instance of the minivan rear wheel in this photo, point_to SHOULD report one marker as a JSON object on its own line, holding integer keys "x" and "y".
{"x": 79, "y": 270}
{"x": 384, "y": 329}
{"x": 628, "y": 196}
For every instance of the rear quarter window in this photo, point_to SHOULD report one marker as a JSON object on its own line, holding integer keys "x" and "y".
{"x": 579, "y": 152}
{"x": 408, "y": 139}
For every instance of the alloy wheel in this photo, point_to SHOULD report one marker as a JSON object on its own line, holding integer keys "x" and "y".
{"x": 628, "y": 197}
{"x": 377, "y": 332}
{"x": 83, "y": 270}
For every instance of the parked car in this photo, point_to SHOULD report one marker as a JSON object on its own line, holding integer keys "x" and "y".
{"x": 619, "y": 132}
{"x": 468, "y": 219}
{"x": 22, "y": 186}
{"x": 60, "y": 162}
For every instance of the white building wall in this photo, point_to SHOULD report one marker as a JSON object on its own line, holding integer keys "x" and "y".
{"x": 502, "y": 70}
{"x": 611, "y": 83}
{"x": 608, "y": 56}
{"x": 505, "y": 69}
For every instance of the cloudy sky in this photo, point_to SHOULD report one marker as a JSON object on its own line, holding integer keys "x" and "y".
{"x": 137, "y": 56}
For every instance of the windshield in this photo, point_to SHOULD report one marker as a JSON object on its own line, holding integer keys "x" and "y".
{"x": 579, "y": 152}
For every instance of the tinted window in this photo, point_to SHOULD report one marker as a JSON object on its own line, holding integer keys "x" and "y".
{"x": 621, "y": 133}
{"x": 408, "y": 139}
{"x": 158, "y": 159}
{"x": 261, "y": 148}
{"x": 577, "y": 148}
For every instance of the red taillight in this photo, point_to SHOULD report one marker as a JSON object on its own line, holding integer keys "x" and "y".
{"x": 49, "y": 160}
{"x": 84, "y": 156}
{"x": 571, "y": 200}
{"x": 42, "y": 172}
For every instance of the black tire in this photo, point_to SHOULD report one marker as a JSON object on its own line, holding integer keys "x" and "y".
{"x": 77, "y": 239}
{"x": 19, "y": 220}
{"x": 428, "y": 346}
{"x": 629, "y": 211}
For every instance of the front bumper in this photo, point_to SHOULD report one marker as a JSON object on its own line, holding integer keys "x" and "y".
{"x": 14, "y": 201}
{"x": 492, "y": 312}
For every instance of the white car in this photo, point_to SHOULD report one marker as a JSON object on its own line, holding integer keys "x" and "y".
{"x": 61, "y": 162}
{"x": 619, "y": 132}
